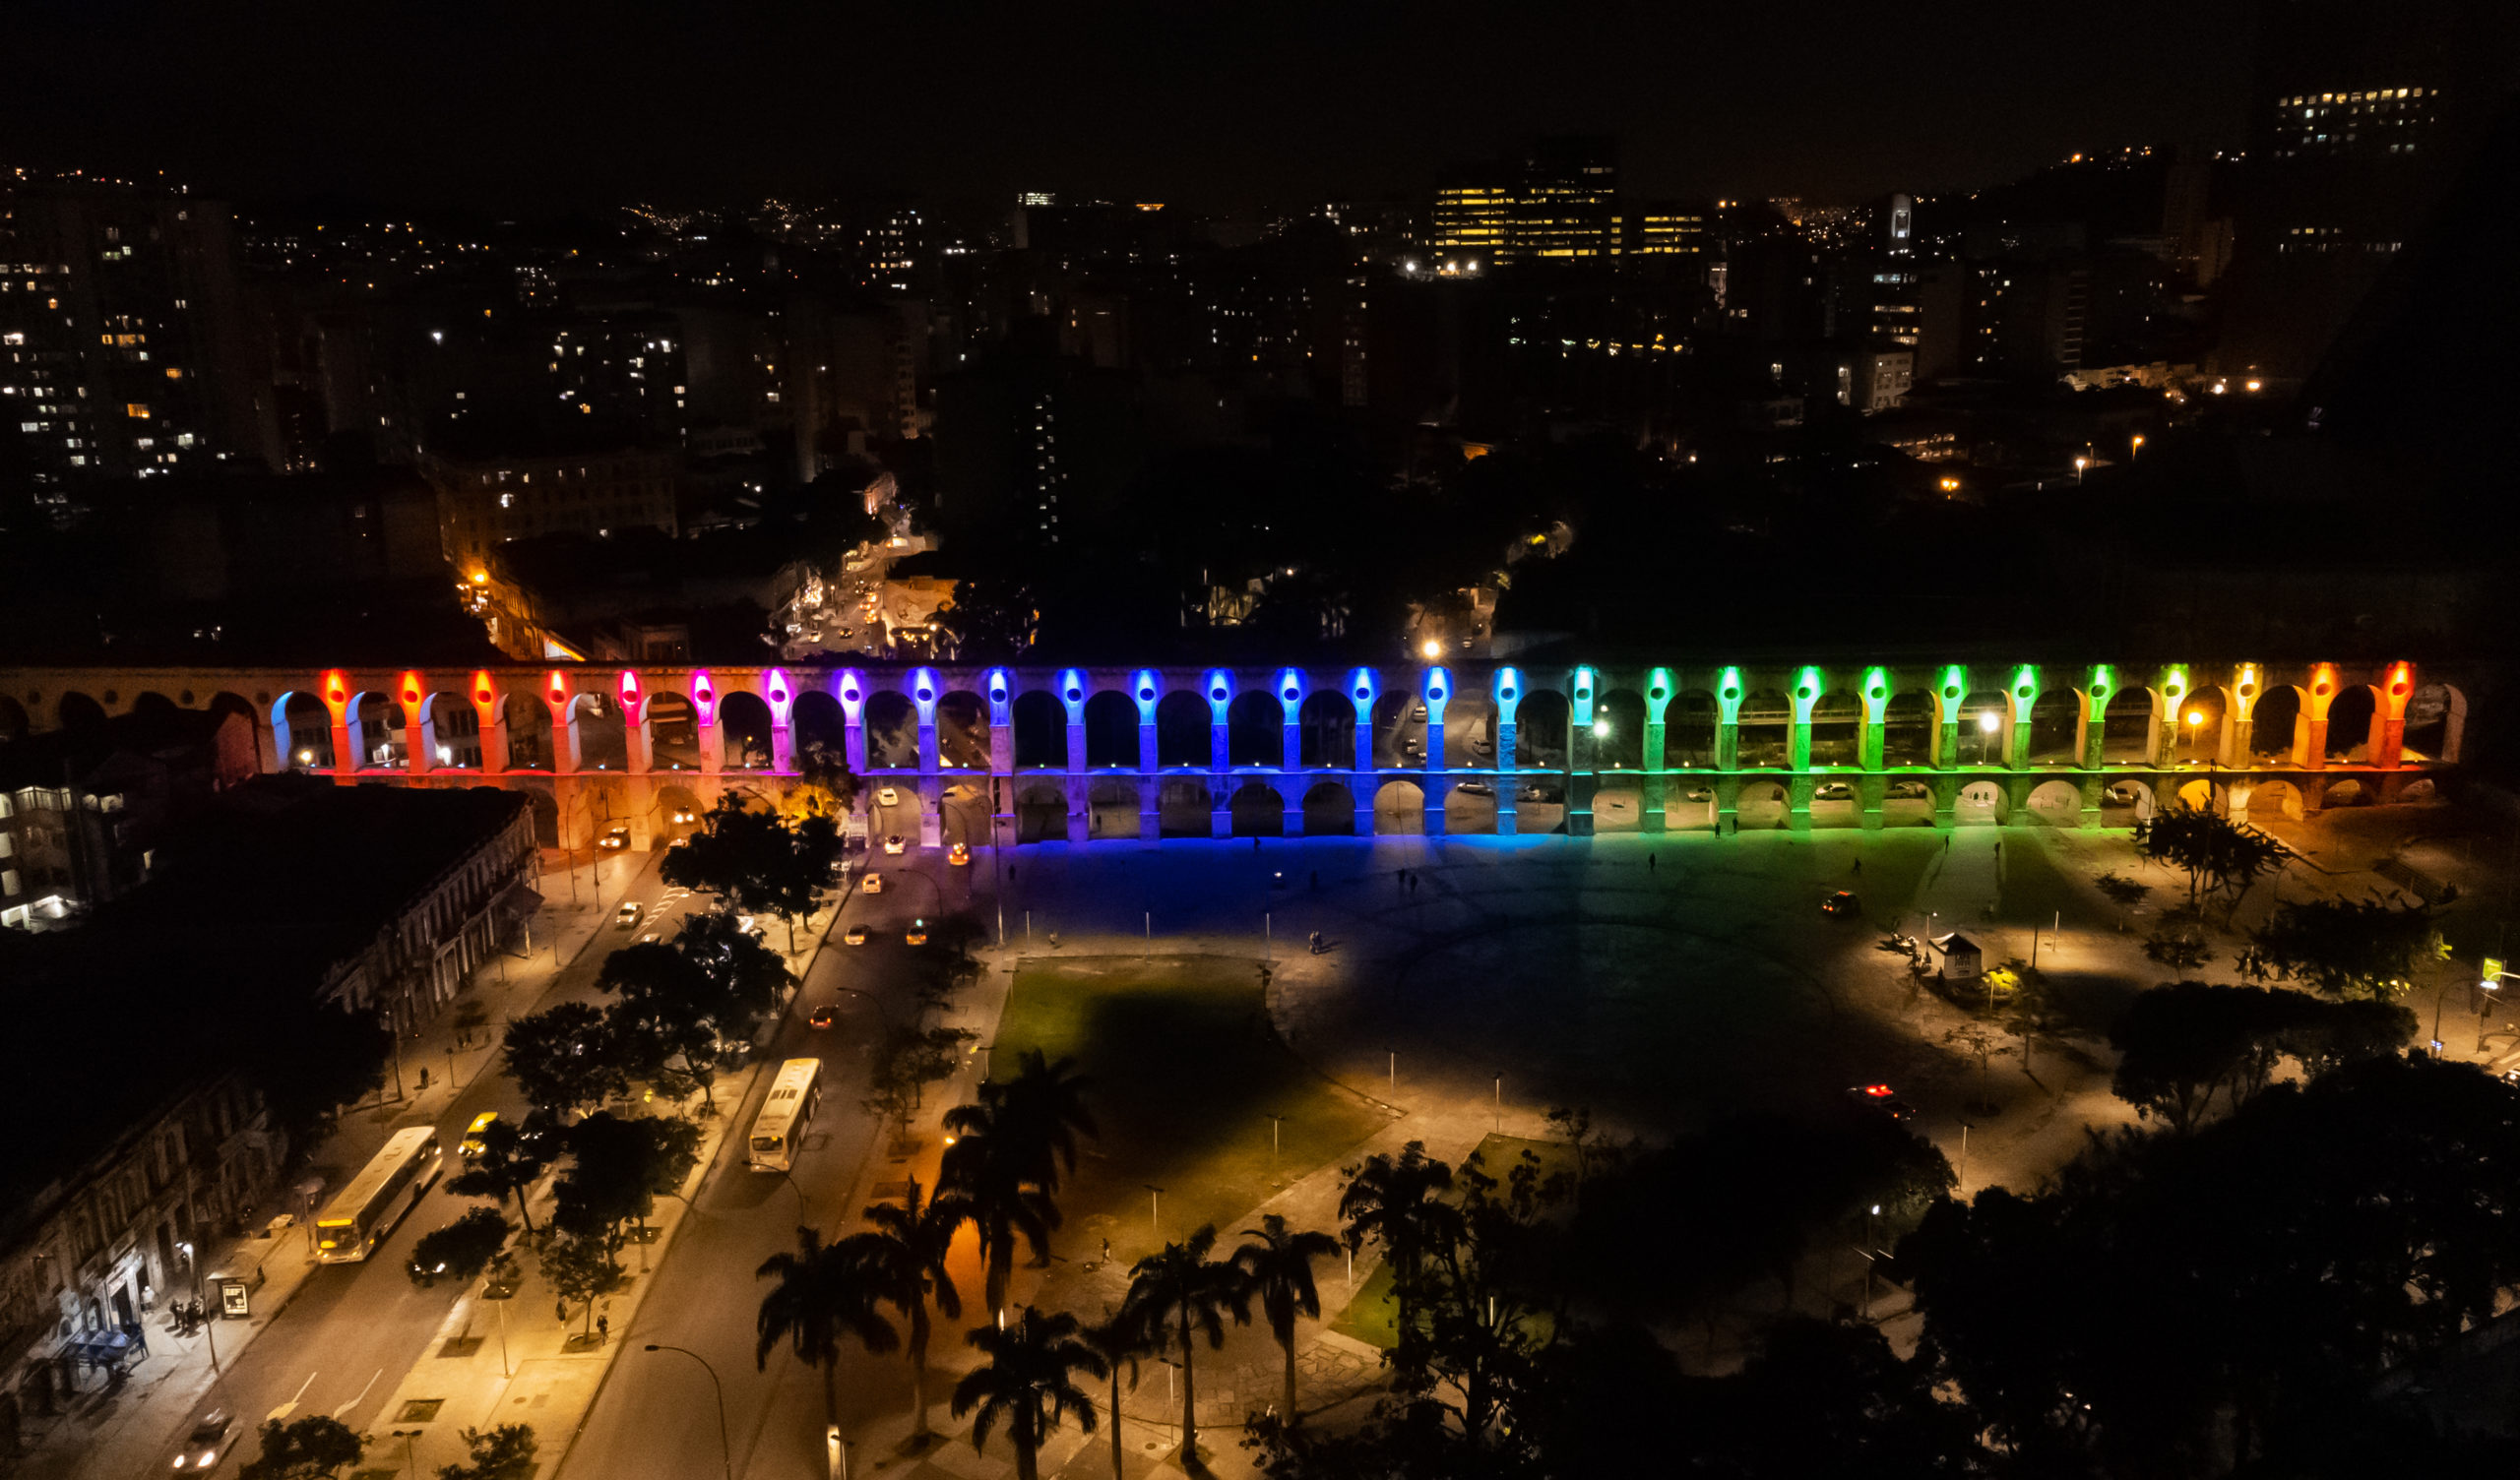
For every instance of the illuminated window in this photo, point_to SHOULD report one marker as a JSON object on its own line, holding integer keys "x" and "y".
{"x": 137, "y": 410}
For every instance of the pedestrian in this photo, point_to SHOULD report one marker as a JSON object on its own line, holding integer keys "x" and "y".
{"x": 1946, "y": 843}
{"x": 1649, "y": 863}
{"x": 1999, "y": 848}
{"x": 1107, "y": 1251}
{"x": 1859, "y": 865}
{"x": 560, "y": 1311}
{"x": 1255, "y": 845}
{"x": 424, "y": 1077}
{"x": 602, "y": 1330}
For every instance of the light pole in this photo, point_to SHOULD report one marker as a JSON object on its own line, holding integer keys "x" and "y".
{"x": 1154, "y": 1208}
{"x": 726, "y": 1456}
{"x": 1868, "y": 1259}
{"x": 409, "y": 1460}
{"x": 1988, "y": 722}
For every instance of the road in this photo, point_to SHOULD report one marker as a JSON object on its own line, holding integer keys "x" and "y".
{"x": 653, "y": 1417}
{"x": 354, "y": 1329}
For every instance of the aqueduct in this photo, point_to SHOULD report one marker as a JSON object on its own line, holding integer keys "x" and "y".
{"x": 1031, "y": 753}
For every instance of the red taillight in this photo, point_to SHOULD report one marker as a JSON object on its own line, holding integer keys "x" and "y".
{"x": 1878, "y": 1091}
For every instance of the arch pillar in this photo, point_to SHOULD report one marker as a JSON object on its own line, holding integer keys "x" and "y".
{"x": 711, "y": 741}
{"x": 1582, "y": 755}
{"x": 1728, "y": 805}
{"x": 1146, "y": 693}
{"x": 2019, "y": 698}
{"x": 2172, "y": 691}
{"x": 1360, "y": 791}
{"x": 779, "y": 691}
{"x": 565, "y": 756}
{"x": 931, "y": 811}
{"x": 1080, "y": 794}
{"x": 1071, "y": 696}
{"x": 1506, "y": 691}
{"x": 1362, "y": 686}
{"x": 2091, "y": 717}
{"x": 1658, "y": 689}
{"x": 1507, "y": 823}
{"x": 1946, "y": 802}
{"x": 420, "y": 756}
{"x": 998, "y": 689}
{"x": 2311, "y": 728}
{"x": 1727, "y": 730}
{"x": 1655, "y": 791}
{"x": 2240, "y": 716}
{"x": 2388, "y": 719}
{"x": 1806, "y": 693}
{"x": 1438, "y": 790}
{"x": 495, "y": 735}
{"x": 1872, "y": 740}
{"x": 924, "y": 691}
{"x": 1870, "y": 793}
{"x": 1797, "y": 801}
{"x": 1434, "y": 690}
{"x": 1291, "y": 697}
{"x": 1217, "y": 690}
{"x": 1291, "y": 786}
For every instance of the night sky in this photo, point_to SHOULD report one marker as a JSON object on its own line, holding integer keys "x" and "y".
{"x": 550, "y": 104}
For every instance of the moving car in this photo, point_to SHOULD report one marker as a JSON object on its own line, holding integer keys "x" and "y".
{"x": 959, "y": 856}
{"x": 471, "y": 1143}
{"x": 2122, "y": 794}
{"x": 627, "y": 916}
{"x": 1476, "y": 788}
{"x": 1843, "y": 903}
{"x": 617, "y": 839}
{"x": 854, "y": 935}
{"x": 1833, "y": 791}
{"x": 894, "y": 843}
{"x": 822, "y": 1016}
{"x": 916, "y": 934}
{"x": 1882, "y": 1099}
{"x": 874, "y": 884}
{"x": 888, "y": 797}
{"x": 1543, "y": 795}
{"x": 684, "y": 815}
{"x": 206, "y": 1443}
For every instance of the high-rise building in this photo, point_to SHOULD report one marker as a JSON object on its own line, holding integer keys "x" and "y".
{"x": 1559, "y": 202}
{"x": 121, "y": 347}
{"x": 2360, "y": 118}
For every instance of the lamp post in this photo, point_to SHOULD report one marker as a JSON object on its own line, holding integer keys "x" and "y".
{"x": 2196, "y": 744}
{"x": 1988, "y": 722}
{"x": 725, "y": 1456}
{"x": 410, "y": 1461}
{"x": 2079, "y": 465}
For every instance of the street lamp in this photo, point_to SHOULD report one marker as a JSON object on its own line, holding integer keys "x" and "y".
{"x": 2137, "y": 446}
{"x": 726, "y": 1456}
{"x": 2079, "y": 465}
{"x": 1431, "y": 648}
{"x": 1988, "y": 722}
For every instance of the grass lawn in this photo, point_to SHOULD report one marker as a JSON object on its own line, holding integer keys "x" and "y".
{"x": 1185, "y": 1072}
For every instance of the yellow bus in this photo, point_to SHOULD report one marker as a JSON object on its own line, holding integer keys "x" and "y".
{"x": 779, "y": 1131}
{"x": 362, "y": 1214}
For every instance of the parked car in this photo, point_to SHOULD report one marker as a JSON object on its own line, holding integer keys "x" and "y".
{"x": 1880, "y": 1099}
{"x": 854, "y": 935}
{"x": 206, "y": 1443}
{"x": 959, "y": 856}
{"x": 1545, "y": 794}
{"x": 627, "y": 916}
{"x": 2122, "y": 794}
{"x": 894, "y": 843}
{"x": 1833, "y": 791}
{"x": 1476, "y": 788}
{"x": 1909, "y": 790}
{"x": 1843, "y": 903}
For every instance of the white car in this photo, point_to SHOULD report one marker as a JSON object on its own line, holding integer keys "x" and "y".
{"x": 888, "y": 797}
{"x": 894, "y": 843}
{"x": 627, "y": 916}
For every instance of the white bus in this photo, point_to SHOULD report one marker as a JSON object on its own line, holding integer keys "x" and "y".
{"x": 362, "y": 1214}
{"x": 780, "y": 1129}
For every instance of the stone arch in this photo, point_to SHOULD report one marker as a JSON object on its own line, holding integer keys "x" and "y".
{"x": 1399, "y": 736}
{"x": 1688, "y": 731}
{"x": 1110, "y": 730}
{"x": 1112, "y": 807}
{"x": 454, "y": 727}
{"x": 1257, "y": 810}
{"x": 2348, "y": 724}
{"x": 677, "y": 811}
{"x": 2275, "y": 798}
{"x": 2125, "y": 801}
{"x": 1326, "y": 734}
{"x": 1979, "y": 804}
{"x": 378, "y": 733}
{"x": 2419, "y": 791}
{"x": 1907, "y": 803}
{"x": 1836, "y": 804}
{"x": 1761, "y": 806}
{"x": 2204, "y": 719}
{"x": 1184, "y": 807}
{"x": 1982, "y": 744}
{"x": 226, "y": 702}
{"x": 2436, "y": 716}
{"x": 1400, "y": 807}
{"x": 2055, "y": 728}
{"x": 961, "y": 731}
{"x": 2207, "y": 795}
{"x": 1837, "y": 729}
{"x": 2128, "y": 722}
{"x": 1688, "y": 805}
{"x": 83, "y": 716}
{"x": 595, "y": 725}
{"x": 2055, "y": 804}
{"x": 1540, "y": 729}
{"x": 1619, "y": 731}
{"x": 1618, "y": 804}
{"x": 526, "y": 721}
{"x": 151, "y": 704}
{"x": 1469, "y": 730}
{"x": 1185, "y": 728}
{"x": 1908, "y": 729}
{"x": 964, "y": 814}
{"x": 1041, "y": 733}
{"x": 14, "y": 723}
{"x": 2275, "y": 727}
{"x": 303, "y": 732}
{"x": 892, "y": 731}
{"x": 1330, "y": 809}
{"x": 2349, "y": 792}
{"x": 816, "y": 725}
{"x": 1766, "y": 730}
{"x": 1255, "y": 730}
{"x": 1041, "y": 810}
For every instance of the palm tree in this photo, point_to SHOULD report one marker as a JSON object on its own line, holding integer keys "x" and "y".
{"x": 907, "y": 1249}
{"x": 1027, "y": 1384}
{"x": 1043, "y": 1108}
{"x": 824, "y": 1291}
{"x": 1120, "y": 1342}
{"x": 1279, "y": 1269}
{"x": 1398, "y": 1204}
{"x": 989, "y": 1182}
{"x": 1182, "y": 1292}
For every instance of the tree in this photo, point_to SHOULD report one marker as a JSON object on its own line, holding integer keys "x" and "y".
{"x": 2217, "y": 854}
{"x": 991, "y": 1181}
{"x": 2179, "y": 940}
{"x": 463, "y": 1248}
{"x": 1120, "y": 1342}
{"x": 1027, "y": 1384}
{"x": 1278, "y": 1268}
{"x": 823, "y": 780}
{"x": 907, "y": 1256}
{"x": 311, "y": 1448}
{"x": 1398, "y": 1202}
{"x": 756, "y": 861}
{"x": 992, "y": 620}
{"x": 1179, "y": 1294}
{"x": 616, "y": 1168}
{"x": 2345, "y": 946}
{"x": 508, "y": 1164}
{"x": 907, "y": 1061}
{"x": 1040, "y": 1111}
{"x": 314, "y": 1059}
{"x": 580, "y": 1269}
{"x": 826, "y": 1292}
{"x": 565, "y": 1058}
{"x": 503, "y": 1452}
